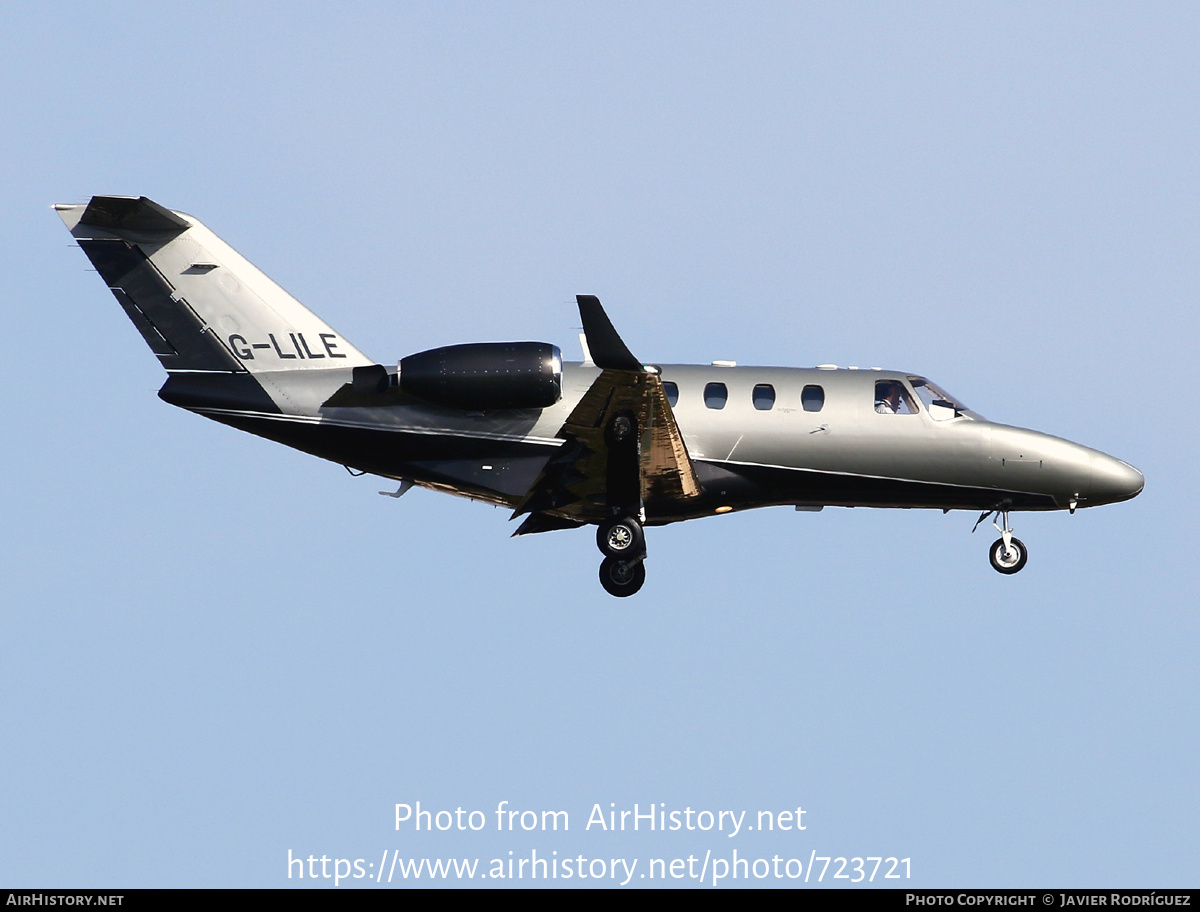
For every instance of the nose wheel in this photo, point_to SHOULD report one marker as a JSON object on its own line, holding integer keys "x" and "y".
{"x": 1010, "y": 557}
{"x": 1007, "y": 554}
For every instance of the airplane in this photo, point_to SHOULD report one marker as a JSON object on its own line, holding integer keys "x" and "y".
{"x": 609, "y": 442}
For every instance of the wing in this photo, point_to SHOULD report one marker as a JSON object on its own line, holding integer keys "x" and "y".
{"x": 622, "y": 449}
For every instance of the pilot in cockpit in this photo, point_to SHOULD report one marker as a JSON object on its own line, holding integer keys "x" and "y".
{"x": 887, "y": 397}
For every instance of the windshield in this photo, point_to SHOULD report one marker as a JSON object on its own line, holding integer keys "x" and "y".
{"x": 940, "y": 404}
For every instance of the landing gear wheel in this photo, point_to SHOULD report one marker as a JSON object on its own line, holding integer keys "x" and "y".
{"x": 1008, "y": 560}
{"x": 621, "y": 538}
{"x": 622, "y": 578}
{"x": 621, "y": 429}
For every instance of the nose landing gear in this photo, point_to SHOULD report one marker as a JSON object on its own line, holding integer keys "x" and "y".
{"x": 1007, "y": 554}
{"x": 1008, "y": 557}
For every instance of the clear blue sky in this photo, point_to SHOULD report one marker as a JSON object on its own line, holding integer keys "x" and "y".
{"x": 217, "y": 650}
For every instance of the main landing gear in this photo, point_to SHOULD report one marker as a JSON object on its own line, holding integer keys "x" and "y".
{"x": 623, "y": 544}
{"x": 620, "y": 537}
{"x": 1007, "y": 554}
{"x": 621, "y": 577}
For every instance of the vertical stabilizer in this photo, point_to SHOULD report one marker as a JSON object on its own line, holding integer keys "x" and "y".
{"x": 198, "y": 303}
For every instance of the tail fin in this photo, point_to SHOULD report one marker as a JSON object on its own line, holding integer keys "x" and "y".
{"x": 197, "y": 302}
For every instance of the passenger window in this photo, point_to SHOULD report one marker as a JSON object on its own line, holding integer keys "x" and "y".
{"x": 764, "y": 397}
{"x": 715, "y": 395}
{"x": 672, "y": 391}
{"x": 891, "y": 398}
{"x": 812, "y": 398}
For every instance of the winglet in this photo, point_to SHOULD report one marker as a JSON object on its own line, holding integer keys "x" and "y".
{"x": 606, "y": 347}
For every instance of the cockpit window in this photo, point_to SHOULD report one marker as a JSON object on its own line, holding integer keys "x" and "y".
{"x": 891, "y": 398}
{"x": 938, "y": 402}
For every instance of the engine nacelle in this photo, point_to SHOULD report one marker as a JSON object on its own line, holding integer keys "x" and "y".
{"x": 481, "y": 376}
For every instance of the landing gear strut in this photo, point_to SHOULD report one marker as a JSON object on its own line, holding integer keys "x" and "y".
{"x": 620, "y": 537}
{"x": 1007, "y": 554}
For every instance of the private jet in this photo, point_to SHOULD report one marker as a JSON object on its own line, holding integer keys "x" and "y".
{"x": 609, "y": 442}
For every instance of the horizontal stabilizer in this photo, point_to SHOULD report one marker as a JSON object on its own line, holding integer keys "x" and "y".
{"x": 129, "y": 213}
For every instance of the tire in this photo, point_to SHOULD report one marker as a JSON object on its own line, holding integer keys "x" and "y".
{"x": 621, "y": 538}
{"x": 621, "y": 429}
{"x": 622, "y": 578}
{"x": 1008, "y": 563}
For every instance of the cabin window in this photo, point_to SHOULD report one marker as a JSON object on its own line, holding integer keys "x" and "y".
{"x": 812, "y": 398}
{"x": 672, "y": 391}
{"x": 892, "y": 398}
{"x": 764, "y": 397}
{"x": 715, "y": 395}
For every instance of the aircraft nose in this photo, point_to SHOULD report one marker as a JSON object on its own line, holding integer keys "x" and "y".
{"x": 1114, "y": 480}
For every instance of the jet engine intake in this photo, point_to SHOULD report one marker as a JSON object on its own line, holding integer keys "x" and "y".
{"x": 481, "y": 376}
